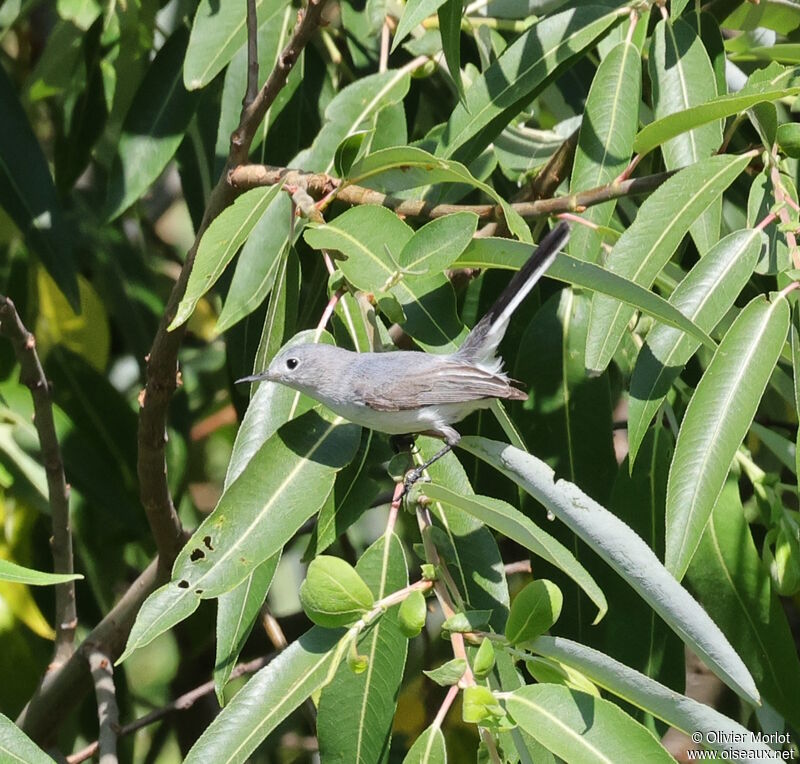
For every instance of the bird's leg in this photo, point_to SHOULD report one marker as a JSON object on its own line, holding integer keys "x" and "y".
{"x": 451, "y": 438}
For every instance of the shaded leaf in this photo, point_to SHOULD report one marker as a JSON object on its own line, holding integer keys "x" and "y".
{"x": 428, "y": 748}
{"x": 16, "y": 746}
{"x": 10, "y": 571}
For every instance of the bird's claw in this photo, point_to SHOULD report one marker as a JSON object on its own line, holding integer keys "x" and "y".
{"x": 412, "y": 477}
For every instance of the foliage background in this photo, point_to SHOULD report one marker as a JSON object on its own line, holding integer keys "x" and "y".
{"x": 116, "y": 125}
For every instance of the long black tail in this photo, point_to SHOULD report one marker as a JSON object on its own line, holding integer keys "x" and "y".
{"x": 482, "y": 341}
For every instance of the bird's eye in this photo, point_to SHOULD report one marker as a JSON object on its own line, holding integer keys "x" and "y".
{"x": 291, "y": 363}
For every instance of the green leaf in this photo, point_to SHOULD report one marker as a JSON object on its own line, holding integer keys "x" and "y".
{"x": 218, "y": 31}
{"x": 525, "y": 67}
{"x": 704, "y": 296}
{"x": 605, "y": 142}
{"x": 735, "y": 588}
{"x": 716, "y": 421}
{"x": 784, "y": 83}
{"x": 412, "y": 613}
{"x": 16, "y": 746}
{"x": 492, "y": 252}
{"x": 10, "y": 571}
{"x": 533, "y": 611}
{"x": 428, "y": 748}
{"x": 625, "y": 552}
{"x": 259, "y": 262}
{"x": 220, "y": 242}
{"x": 549, "y": 671}
{"x": 779, "y": 15}
{"x": 516, "y": 526}
{"x": 776, "y": 257}
{"x": 333, "y": 594}
{"x": 401, "y": 168}
{"x": 479, "y": 705}
{"x": 438, "y": 243}
{"x": 449, "y": 13}
{"x": 267, "y": 699}
{"x": 794, "y": 339}
{"x": 286, "y": 482}
{"x": 414, "y": 13}
{"x": 719, "y": 732}
{"x": 237, "y": 613}
{"x": 469, "y": 620}
{"x": 362, "y": 234}
{"x": 449, "y": 673}
{"x": 644, "y": 248}
{"x": 154, "y": 128}
{"x": 28, "y": 195}
{"x": 682, "y": 76}
{"x": 364, "y": 733}
{"x": 354, "y": 108}
{"x": 557, "y": 718}
{"x": 484, "y": 660}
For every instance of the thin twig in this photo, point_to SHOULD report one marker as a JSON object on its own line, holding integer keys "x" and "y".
{"x": 32, "y": 375}
{"x": 544, "y": 185}
{"x": 781, "y": 195}
{"x": 386, "y": 41}
{"x": 61, "y": 690}
{"x": 185, "y": 701}
{"x": 252, "y": 54}
{"x": 162, "y": 362}
{"x": 319, "y": 184}
{"x": 107, "y": 709}
{"x": 520, "y": 566}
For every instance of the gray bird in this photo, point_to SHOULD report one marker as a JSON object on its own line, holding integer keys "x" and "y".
{"x": 404, "y": 392}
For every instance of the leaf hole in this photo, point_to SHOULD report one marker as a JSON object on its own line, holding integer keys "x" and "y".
{"x": 197, "y": 554}
{"x": 207, "y": 542}
{"x": 183, "y": 584}
{"x": 198, "y": 592}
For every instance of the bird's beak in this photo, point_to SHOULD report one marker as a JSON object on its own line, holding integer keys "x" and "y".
{"x": 254, "y": 378}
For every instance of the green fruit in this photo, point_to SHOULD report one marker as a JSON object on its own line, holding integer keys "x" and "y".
{"x": 484, "y": 659}
{"x": 333, "y": 594}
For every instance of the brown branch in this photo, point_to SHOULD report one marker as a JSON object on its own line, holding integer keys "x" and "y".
{"x": 520, "y": 566}
{"x": 181, "y": 703}
{"x": 162, "y": 361}
{"x": 61, "y": 690}
{"x": 32, "y": 375}
{"x": 107, "y": 710}
{"x": 318, "y": 185}
{"x": 252, "y": 54}
{"x": 544, "y": 185}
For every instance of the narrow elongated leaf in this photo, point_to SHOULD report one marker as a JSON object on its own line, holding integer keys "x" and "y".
{"x": 28, "y": 194}
{"x": 17, "y": 748}
{"x": 512, "y": 523}
{"x": 354, "y": 108}
{"x": 704, "y": 296}
{"x": 18, "y": 574}
{"x": 428, "y": 748}
{"x": 285, "y": 483}
{"x": 735, "y": 588}
{"x": 682, "y": 76}
{"x": 559, "y": 719}
{"x": 157, "y": 120}
{"x": 218, "y": 31}
{"x": 605, "y": 142}
{"x": 449, "y": 13}
{"x": 492, "y": 252}
{"x": 794, "y": 339}
{"x": 363, "y": 735}
{"x": 631, "y": 633}
{"x": 258, "y": 263}
{"x": 644, "y": 248}
{"x": 401, "y": 168}
{"x": 676, "y": 710}
{"x": 220, "y": 243}
{"x": 523, "y": 69}
{"x": 716, "y": 421}
{"x": 414, "y": 13}
{"x": 267, "y": 699}
{"x": 782, "y": 84}
{"x": 624, "y": 551}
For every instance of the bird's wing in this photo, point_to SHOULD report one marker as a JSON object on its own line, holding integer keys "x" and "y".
{"x": 448, "y": 381}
